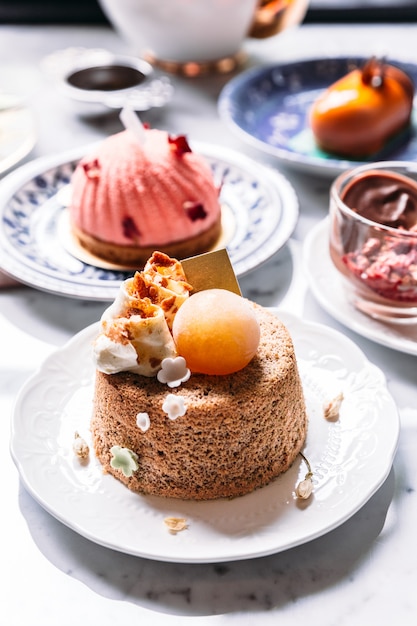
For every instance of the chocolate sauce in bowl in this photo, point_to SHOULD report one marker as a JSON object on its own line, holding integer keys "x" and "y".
{"x": 381, "y": 263}
{"x": 106, "y": 77}
{"x": 383, "y": 197}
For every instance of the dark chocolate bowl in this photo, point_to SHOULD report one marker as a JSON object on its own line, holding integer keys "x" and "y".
{"x": 373, "y": 238}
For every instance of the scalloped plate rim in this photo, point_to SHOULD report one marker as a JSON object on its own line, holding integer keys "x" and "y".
{"x": 205, "y": 552}
{"x": 332, "y": 297}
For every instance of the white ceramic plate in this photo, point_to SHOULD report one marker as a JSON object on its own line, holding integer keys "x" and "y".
{"x": 17, "y": 131}
{"x": 268, "y": 108}
{"x": 327, "y": 286}
{"x": 261, "y": 205}
{"x": 350, "y": 459}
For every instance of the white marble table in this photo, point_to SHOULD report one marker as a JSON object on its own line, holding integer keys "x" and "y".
{"x": 363, "y": 572}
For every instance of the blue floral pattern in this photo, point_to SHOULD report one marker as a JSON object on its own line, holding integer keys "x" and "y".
{"x": 268, "y": 108}
{"x": 262, "y": 205}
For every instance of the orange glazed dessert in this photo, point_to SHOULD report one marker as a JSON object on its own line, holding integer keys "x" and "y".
{"x": 361, "y": 113}
{"x": 197, "y": 394}
{"x": 131, "y": 196}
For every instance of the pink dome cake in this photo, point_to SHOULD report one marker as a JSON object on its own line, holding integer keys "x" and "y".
{"x": 131, "y": 197}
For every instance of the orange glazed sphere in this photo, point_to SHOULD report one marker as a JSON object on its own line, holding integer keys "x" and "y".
{"x": 216, "y": 331}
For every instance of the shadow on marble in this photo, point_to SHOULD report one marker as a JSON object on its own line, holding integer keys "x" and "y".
{"x": 49, "y": 317}
{"x": 106, "y": 120}
{"x": 212, "y": 589}
{"x": 268, "y": 284}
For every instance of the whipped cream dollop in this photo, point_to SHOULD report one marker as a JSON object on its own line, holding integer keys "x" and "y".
{"x": 135, "y": 329}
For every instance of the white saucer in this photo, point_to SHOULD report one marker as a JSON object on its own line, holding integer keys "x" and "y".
{"x": 96, "y": 77}
{"x": 350, "y": 458}
{"x": 327, "y": 286}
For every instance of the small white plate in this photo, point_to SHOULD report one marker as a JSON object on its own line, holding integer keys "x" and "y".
{"x": 327, "y": 287}
{"x": 350, "y": 459}
{"x": 17, "y": 131}
{"x": 262, "y": 211}
{"x": 99, "y": 79}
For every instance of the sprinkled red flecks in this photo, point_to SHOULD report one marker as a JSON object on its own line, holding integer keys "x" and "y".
{"x": 388, "y": 267}
{"x": 92, "y": 169}
{"x": 179, "y": 145}
{"x": 130, "y": 230}
{"x": 195, "y": 211}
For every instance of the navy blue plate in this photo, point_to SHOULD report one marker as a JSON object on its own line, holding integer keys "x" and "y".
{"x": 268, "y": 108}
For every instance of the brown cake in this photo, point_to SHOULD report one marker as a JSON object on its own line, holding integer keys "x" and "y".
{"x": 228, "y": 434}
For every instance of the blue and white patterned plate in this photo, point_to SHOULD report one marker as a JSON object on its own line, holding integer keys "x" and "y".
{"x": 268, "y": 108}
{"x": 260, "y": 213}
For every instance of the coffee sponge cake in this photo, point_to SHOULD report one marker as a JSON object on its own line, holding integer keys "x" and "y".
{"x": 238, "y": 432}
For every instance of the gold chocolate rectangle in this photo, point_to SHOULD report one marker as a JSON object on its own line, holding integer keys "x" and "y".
{"x": 212, "y": 270}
